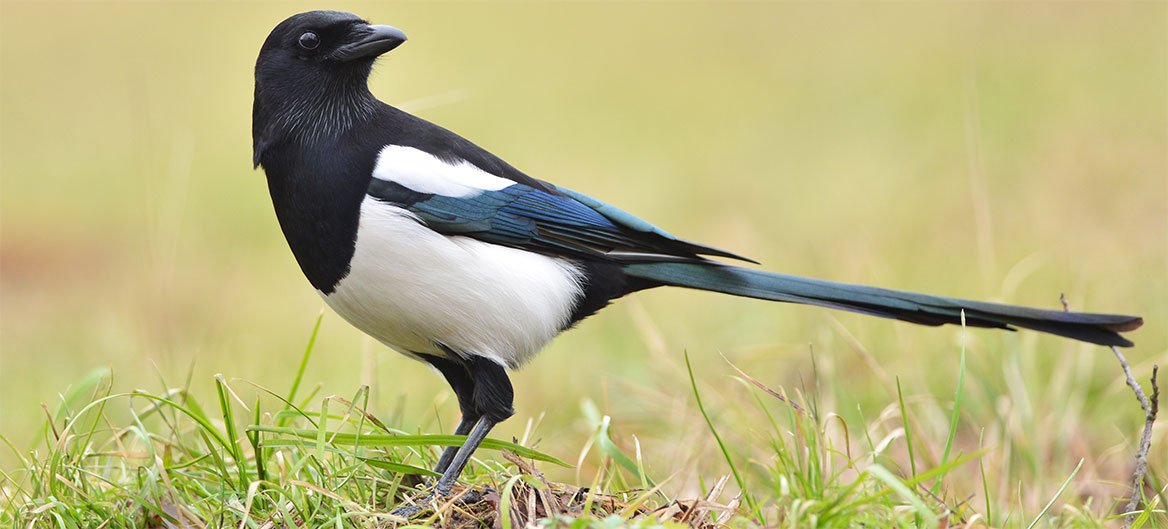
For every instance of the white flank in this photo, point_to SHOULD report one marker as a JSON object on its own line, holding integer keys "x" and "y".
{"x": 411, "y": 287}
{"x": 424, "y": 173}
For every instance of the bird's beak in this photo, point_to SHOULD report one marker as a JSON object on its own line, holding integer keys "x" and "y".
{"x": 375, "y": 41}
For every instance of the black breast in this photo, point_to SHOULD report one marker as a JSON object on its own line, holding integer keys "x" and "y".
{"x": 317, "y": 196}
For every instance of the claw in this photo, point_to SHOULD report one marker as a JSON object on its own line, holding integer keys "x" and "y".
{"x": 469, "y": 497}
{"x": 407, "y": 512}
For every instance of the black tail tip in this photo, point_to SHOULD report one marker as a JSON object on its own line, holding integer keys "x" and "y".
{"x": 1132, "y": 323}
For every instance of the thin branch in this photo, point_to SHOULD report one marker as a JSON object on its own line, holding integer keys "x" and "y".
{"x": 1151, "y": 408}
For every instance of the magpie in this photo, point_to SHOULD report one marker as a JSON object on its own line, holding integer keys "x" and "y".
{"x": 450, "y": 256}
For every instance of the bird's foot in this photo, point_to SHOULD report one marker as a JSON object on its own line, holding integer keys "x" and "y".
{"x": 469, "y": 497}
{"x": 410, "y": 511}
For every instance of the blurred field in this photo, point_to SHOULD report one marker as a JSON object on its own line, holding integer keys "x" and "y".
{"x": 986, "y": 150}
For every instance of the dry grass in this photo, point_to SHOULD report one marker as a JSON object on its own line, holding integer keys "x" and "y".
{"x": 1009, "y": 152}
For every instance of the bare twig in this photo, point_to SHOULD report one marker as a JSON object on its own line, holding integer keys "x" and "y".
{"x": 1150, "y": 407}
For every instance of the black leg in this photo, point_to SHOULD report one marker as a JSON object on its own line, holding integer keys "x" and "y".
{"x": 487, "y": 403}
{"x": 464, "y": 427}
{"x": 461, "y": 381}
{"x": 473, "y": 440}
{"x": 485, "y": 397}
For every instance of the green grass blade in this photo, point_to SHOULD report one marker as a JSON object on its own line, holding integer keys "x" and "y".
{"x": 256, "y": 445}
{"x": 505, "y": 502}
{"x": 303, "y": 365}
{"x": 229, "y": 427}
{"x": 603, "y": 438}
{"x": 1056, "y": 496}
{"x": 290, "y": 411}
{"x": 956, "y": 402}
{"x": 912, "y": 459}
{"x": 985, "y": 484}
{"x": 321, "y": 430}
{"x": 725, "y": 451}
{"x": 381, "y": 440}
{"x": 398, "y": 467}
{"x": 83, "y": 387}
{"x": 216, "y": 458}
{"x": 905, "y": 492}
{"x": 100, "y": 410}
{"x": 937, "y": 472}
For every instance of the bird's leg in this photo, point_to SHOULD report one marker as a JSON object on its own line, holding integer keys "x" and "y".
{"x": 464, "y": 427}
{"x": 463, "y": 384}
{"x": 491, "y": 396}
{"x": 481, "y": 428}
{"x": 485, "y": 397}
{"x": 489, "y": 399}
{"x": 454, "y": 467}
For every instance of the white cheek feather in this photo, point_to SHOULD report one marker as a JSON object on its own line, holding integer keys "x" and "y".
{"x": 412, "y": 288}
{"x": 422, "y": 172}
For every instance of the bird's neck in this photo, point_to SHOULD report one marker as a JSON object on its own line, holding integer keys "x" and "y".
{"x": 304, "y": 139}
{"x": 314, "y": 113}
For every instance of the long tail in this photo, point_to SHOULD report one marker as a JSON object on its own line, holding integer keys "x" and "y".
{"x": 1102, "y": 329}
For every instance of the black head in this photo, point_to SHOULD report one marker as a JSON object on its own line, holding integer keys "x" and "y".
{"x": 311, "y": 75}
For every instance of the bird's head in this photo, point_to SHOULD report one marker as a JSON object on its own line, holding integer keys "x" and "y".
{"x": 311, "y": 75}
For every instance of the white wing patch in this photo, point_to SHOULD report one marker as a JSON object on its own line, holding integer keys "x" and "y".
{"x": 422, "y": 172}
{"x": 412, "y": 288}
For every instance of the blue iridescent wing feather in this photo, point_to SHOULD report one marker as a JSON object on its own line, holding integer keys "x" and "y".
{"x": 563, "y": 222}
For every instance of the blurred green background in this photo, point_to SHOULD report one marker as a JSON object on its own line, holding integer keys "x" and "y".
{"x": 1001, "y": 151}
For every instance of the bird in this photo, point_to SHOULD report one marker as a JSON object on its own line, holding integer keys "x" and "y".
{"x": 451, "y": 256}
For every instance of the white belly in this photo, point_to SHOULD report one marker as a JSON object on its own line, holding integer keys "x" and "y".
{"x": 412, "y": 288}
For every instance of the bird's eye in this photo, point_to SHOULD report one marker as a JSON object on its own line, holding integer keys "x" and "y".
{"x": 309, "y": 40}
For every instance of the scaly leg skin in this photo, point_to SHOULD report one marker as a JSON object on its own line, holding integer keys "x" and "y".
{"x": 464, "y": 427}
{"x": 485, "y": 398}
{"x": 456, "y": 465}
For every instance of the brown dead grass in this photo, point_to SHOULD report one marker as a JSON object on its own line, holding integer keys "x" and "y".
{"x": 528, "y": 497}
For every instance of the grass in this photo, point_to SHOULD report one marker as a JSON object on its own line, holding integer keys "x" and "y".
{"x": 162, "y": 459}
{"x": 1000, "y": 151}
